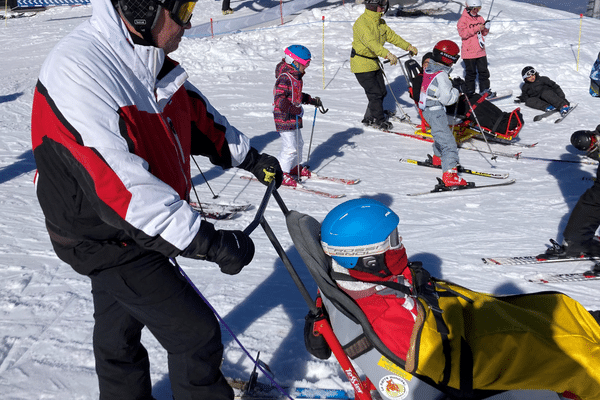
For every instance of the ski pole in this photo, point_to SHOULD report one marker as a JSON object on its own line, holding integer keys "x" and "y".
{"x": 205, "y": 180}
{"x": 298, "y": 168}
{"x": 490, "y": 12}
{"x": 494, "y": 157}
{"x": 311, "y": 137}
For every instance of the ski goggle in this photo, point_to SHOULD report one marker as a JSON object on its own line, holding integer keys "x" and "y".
{"x": 529, "y": 73}
{"x": 181, "y": 11}
{"x": 469, "y": 9}
{"x": 393, "y": 241}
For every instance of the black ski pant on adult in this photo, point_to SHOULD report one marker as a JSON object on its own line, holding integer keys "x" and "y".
{"x": 374, "y": 86}
{"x": 473, "y": 68}
{"x": 152, "y": 293}
{"x": 584, "y": 221}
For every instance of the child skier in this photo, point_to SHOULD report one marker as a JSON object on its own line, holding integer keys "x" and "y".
{"x": 461, "y": 339}
{"x": 472, "y": 29}
{"x": 436, "y": 93}
{"x": 542, "y": 93}
{"x": 288, "y": 111}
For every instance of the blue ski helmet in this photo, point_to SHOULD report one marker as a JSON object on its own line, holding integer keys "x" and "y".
{"x": 359, "y": 228}
{"x": 297, "y": 52}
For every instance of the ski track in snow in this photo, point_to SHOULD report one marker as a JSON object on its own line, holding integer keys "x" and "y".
{"x": 46, "y": 309}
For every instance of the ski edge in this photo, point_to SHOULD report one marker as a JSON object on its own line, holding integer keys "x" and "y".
{"x": 460, "y": 169}
{"x": 301, "y": 188}
{"x": 463, "y": 189}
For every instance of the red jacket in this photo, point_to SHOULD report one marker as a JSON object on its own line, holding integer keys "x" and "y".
{"x": 113, "y": 126}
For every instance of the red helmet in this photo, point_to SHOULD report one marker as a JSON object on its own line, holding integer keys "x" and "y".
{"x": 446, "y": 52}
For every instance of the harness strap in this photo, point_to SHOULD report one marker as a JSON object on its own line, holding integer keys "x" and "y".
{"x": 391, "y": 284}
{"x": 358, "y": 346}
{"x": 354, "y": 53}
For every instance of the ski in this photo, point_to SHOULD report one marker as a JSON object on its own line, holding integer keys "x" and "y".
{"x": 315, "y": 177}
{"x": 540, "y": 117}
{"x": 460, "y": 168}
{"x": 520, "y": 155}
{"x": 561, "y": 278}
{"x": 494, "y": 139}
{"x": 267, "y": 391}
{"x": 441, "y": 188}
{"x": 219, "y": 211}
{"x": 410, "y": 135}
{"x": 302, "y": 188}
{"x": 501, "y": 94}
{"x": 524, "y": 260}
{"x": 565, "y": 116}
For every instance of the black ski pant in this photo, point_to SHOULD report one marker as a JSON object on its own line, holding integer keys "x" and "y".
{"x": 584, "y": 221}
{"x": 473, "y": 68}
{"x": 152, "y": 293}
{"x": 374, "y": 86}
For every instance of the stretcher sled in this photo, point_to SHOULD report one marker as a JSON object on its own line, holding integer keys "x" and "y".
{"x": 469, "y": 117}
{"x": 338, "y": 326}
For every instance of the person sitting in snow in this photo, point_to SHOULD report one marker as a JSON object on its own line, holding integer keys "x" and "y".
{"x": 541, "y": 92}
{"x": 436, "y": 93}
{"x": 465, "y": 341}
{"x": 288, "y": 111}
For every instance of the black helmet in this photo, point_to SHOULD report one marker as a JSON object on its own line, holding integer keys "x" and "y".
{"x": 142, "y": 14}
{"x": 583, "y": 140}
{"x": 373, "y": 4}
{"x": 446, "y": 52}
{"x": 527, "y": 72}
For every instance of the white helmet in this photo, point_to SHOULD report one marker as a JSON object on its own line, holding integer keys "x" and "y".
{"x": 474, "y": 3}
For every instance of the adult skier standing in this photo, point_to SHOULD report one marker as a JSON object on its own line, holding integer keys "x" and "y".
{"x": 579, "y": 236}
{"x": 114, "y": 122}
{"x": 370, "y": 33}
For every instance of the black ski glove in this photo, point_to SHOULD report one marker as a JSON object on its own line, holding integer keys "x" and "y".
{"x": 263, "y": 166}
{"x": 519, "y": 99}
{"x": 458, "y": 83}
{"x": 231, "y": 250}
{"x": 316, "y": 101}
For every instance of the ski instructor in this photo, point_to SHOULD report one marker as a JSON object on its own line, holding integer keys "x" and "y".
{"x": 114, "y": 123}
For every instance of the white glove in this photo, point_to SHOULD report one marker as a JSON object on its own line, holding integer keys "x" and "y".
{"x": 487, "y": 25}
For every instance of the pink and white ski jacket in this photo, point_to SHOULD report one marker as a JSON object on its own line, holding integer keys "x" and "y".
{"x": 468, "y": 26}
{"x": 113, "y": 127}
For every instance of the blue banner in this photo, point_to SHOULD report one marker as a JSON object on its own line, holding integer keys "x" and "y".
{"x": 49, "y": 3}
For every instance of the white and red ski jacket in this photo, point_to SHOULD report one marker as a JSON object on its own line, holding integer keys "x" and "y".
{"x": 113, "y": 127}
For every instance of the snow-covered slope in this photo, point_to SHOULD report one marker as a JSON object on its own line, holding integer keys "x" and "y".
{"x": 46, "y": 309}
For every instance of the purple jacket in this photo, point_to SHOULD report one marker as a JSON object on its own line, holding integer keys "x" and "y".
{"x": 468, "y": 26}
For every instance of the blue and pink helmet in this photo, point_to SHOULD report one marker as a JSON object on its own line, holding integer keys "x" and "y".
{"x": 298, "y": 53}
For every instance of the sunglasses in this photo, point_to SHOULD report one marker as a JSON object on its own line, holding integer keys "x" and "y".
{"x": 529, "y": 73}
{"x": 181, "y": 11}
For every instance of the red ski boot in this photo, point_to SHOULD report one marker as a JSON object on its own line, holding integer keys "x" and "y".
{"x": 304, "y": 171}
{"x": 288, "y": 180}
{"x": 451, "y": 178}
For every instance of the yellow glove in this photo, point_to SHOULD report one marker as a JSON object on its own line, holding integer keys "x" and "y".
{"x": 393, "y": 59}
{"x": 412, "y": 50}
